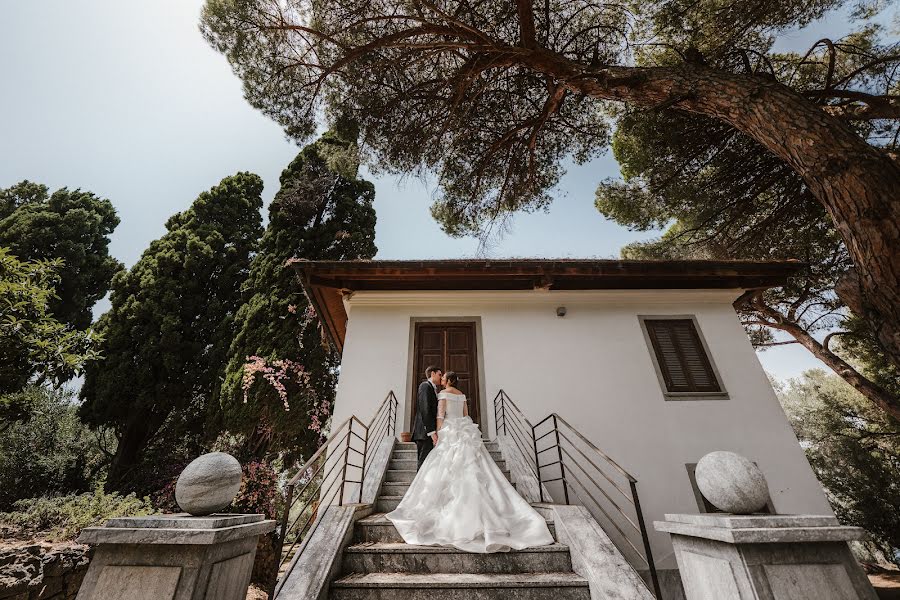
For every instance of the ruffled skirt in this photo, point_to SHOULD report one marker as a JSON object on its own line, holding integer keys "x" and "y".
{"x": 460, "y": 498}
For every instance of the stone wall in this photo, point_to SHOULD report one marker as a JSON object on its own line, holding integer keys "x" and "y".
{"x": 42, "y": 571}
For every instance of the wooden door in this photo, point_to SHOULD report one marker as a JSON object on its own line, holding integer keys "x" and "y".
{"x": 450, "y": 346}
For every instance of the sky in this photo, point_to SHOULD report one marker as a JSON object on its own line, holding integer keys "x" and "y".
{"x": 126, "y": 99}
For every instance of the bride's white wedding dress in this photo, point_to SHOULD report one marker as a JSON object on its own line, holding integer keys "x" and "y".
{"x": 460, "y": 497}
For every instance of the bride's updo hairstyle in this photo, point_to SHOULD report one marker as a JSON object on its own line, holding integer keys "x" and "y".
{"x": 452, "y": 377}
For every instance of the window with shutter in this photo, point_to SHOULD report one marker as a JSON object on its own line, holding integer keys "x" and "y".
{"x": 681, "y": 358}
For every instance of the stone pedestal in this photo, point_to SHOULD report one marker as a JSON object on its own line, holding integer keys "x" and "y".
{"x": 766, "y": 557}
{"x": 172, "y": 557}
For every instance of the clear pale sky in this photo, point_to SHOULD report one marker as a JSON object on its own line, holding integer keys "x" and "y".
{"x": 125, "y": 99}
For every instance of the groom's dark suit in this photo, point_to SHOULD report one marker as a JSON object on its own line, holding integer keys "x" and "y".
{"x": 426, "y": 420}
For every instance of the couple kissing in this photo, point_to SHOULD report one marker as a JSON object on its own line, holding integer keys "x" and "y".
{"x": 459, "y": 496}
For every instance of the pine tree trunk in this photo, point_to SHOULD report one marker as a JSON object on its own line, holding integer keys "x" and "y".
{"x": 858, "y": 184}
{"x": 872, "y": 392}
{"x": 138, "y": 432}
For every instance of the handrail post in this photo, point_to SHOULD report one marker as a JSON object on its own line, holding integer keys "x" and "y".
{"x": 562, "y": 467}
{"x": 282, "y": 534}
{"x": 346, "y": 460}
{"x": 362, "y": 470}
{"x": 503, "y": 410}
{"x": 496, "y": 420}
{"x": 393, "y": 416}
{"x": 645, "y": 538}
{"x": 537, "y": 463}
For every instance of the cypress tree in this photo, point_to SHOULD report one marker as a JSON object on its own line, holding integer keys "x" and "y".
{"x": 279, "y": 381}
{"x": 171, "y": 319}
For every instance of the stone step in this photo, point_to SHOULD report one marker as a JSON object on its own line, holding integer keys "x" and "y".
{"x": 393, "y": 557}
{"x": 411, "y": 455}
{"x": 404, "y": 464}
{"x": 460, "y": 586}
{"x": 394, "y": 488}
{"x": 407, "y": 475}
{"x": 399, "y": 475}
{"x": 387, "y": 503}
{"x": 407, "y": 446}
{"x": 391, "y": 497}
{"x": 377, "y": 528}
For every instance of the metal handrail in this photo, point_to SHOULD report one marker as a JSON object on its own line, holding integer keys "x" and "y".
{"x": 382, "y": 424}
{"x": 556, "y": 448}
{"x": 512, "y": 421}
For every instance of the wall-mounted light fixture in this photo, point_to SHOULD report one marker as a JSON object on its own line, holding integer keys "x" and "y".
{"x": 561, "y": 311}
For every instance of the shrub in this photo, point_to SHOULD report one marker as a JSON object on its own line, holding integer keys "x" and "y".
{"x": 62, "y": 518}
{"x": 854, "y": 450}
{"x": 259, "y": 490}
{"x": 51, "y": 452}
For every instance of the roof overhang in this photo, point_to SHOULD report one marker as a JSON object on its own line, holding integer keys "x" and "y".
{"x": 326, "y": 282}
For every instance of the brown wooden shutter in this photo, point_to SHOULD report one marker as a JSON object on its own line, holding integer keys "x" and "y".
{"x": 679, "y": 352}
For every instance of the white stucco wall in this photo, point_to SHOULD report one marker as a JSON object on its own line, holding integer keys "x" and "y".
{"x": 594, "y": 368}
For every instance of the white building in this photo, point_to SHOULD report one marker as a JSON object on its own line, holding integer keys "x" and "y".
{"x": 646, "y": 359}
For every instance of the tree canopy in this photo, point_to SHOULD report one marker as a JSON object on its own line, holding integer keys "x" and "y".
{"x": 493, "y": 96}
{"x": 728, "y": 198}
{"x": 172, "y": 316}
{"x": 71, "y": 225}
{"x": 34, "y": 346}
{"x": 854, "y": 450}
{"x": 279, "y": 381}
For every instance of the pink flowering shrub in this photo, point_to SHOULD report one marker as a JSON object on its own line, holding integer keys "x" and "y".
{"x": 164, "y": 498}
{"x": 280, "y": 374}
{"x": 276, "y": 387}
{"x": 259, "y": 490}
{"x": 277, "y": 374}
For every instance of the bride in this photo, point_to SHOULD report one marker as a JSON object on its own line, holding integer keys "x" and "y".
{"x": 460, "y": 497}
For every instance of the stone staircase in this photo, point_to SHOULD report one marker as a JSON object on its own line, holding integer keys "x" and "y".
{"x": 378, "y": 565}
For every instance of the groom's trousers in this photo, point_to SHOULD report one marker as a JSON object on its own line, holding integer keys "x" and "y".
{"x": 423, "y": 447}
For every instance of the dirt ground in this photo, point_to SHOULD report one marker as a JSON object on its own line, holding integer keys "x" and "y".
{"x": 887, "y": 585}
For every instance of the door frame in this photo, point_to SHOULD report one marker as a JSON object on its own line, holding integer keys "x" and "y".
{"x": 413, "y": 379}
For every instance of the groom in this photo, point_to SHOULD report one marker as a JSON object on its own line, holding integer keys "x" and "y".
{"x": 425, "y": 428}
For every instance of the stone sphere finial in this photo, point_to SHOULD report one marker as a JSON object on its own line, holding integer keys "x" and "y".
{"x": 208, "y": 484}
{"x": 732, "y": 483}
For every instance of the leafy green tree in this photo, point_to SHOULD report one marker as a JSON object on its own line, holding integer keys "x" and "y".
{"x": 279, "y": 381}
{"x": 493, "y": 96}
{"x": 854, "y": 449}
{"x": 678, "y": 168}
{"x": 71, "y": 225}
{"x": 172, "y": 318}
{"x": 51, "y": 452}
{"x": 34, "y": 346}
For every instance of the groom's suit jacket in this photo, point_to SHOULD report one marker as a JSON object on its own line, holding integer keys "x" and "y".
{"x": 426, "y": 411}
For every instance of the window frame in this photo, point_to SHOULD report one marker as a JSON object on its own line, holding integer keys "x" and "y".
{"x": 722, "y": 394}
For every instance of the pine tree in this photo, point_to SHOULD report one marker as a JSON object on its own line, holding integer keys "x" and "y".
{"x": 171, "y": 319}
{"x": 495, "y": 97}
{"x": 279, "y": 382}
